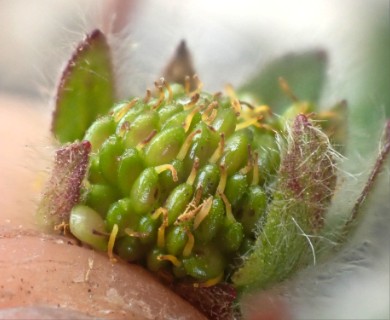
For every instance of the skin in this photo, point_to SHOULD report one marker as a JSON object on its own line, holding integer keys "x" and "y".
{"x": 45, "y": 276}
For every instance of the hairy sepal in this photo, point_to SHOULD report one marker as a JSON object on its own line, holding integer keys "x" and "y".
{"x": 63, "y": 189}
{"x": 306, "y": 182}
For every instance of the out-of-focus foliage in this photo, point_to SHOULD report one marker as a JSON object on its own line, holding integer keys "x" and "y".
{"x": 304, "y": 72}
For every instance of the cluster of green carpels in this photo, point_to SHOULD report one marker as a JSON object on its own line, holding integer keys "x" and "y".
{"x": 179, "y": 181}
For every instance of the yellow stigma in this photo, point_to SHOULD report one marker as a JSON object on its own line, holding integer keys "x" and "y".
{"x": 161, "y": 96}
{"x": 219, "y": 151}
{"x": 203, "y": 213}
{"x": 228, "y": 208}
{"x": 209, "y": 283}
{"x": 122, "y": 111}
{"x": 186, "y": 145}
{"x": 169, "y": 89}
{"x": 111, "y": 242}
{"x": 136, "y": 234}
{"x": 161, "y": 230}
{"x": 144, "y": 142}
{"x": 222, "y": 181}
{"x": 171, "y": 258}
{"x": 287, "y": 89}
{"x": 190, "y": 243}
{"x": 193, "y": 173}
{"x": 194, "y": 99}
{"x": 170, "y": 167}
{"x": 189, "y": 117}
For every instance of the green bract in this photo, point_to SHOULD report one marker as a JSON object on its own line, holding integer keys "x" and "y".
{"x": 89, "y": 67}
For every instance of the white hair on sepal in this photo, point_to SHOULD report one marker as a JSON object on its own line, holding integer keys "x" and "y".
{"x": 66, "y": 26}
{"x": 352, "y": 281}
{"x": 354, "y": 284}
{"x": 141, "y": 47}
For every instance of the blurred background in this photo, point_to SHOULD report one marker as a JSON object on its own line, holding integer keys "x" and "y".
{"x": 235, "y": 39}
{"x": 230, "y": 41}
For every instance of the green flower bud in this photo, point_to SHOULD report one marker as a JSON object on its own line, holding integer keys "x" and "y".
{"x": 99, "y": 131}
{"x": 130, "y": 166}
{"x": 100, "y": 197}
{"x": 88, "y": 226}
{"x": 109, "y": 157}
{"x": 205, "y": 263}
